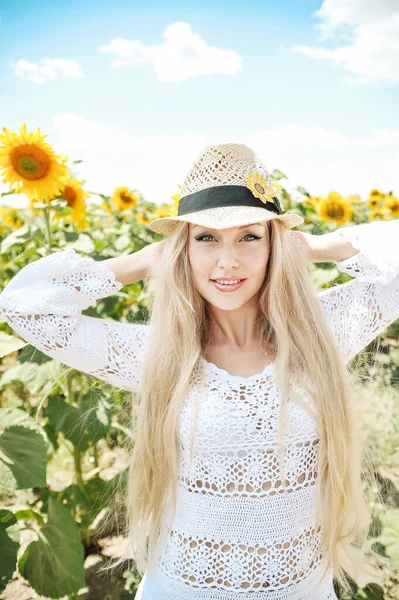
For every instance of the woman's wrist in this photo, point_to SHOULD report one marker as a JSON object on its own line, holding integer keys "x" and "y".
{"x": 128, "y": 268}
{"x": 330, "y": 247}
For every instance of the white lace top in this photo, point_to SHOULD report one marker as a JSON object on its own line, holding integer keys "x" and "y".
{"x": 233, "y": 536}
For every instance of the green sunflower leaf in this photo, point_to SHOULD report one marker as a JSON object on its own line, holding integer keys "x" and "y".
{"x": 53, "y": 565}
{"x": 9, "y": 544}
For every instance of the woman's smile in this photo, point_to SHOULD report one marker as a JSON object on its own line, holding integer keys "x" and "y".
{"x": 231, "y": 287}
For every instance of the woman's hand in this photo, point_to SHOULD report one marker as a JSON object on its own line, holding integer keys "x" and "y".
{"x": 327, "y": 247}
{"x": 150, "y": 256}
{"x": 129, "y": 268}
{"x": 304, "y": 241}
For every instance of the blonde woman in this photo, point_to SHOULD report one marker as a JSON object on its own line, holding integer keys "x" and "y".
{"x": 245, "y": 479}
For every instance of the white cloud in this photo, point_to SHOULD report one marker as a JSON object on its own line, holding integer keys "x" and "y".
{"x": 154, "y": 164}
{"x": 183, "y": 54}
{"x": 321, "y": 160}
{"x": 46, "y": 69}
{"x": 370, "y": 28}
{"x": 337, "y": 14}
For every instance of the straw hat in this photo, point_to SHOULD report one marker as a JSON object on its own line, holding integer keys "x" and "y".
{"x": 227, "y": 186}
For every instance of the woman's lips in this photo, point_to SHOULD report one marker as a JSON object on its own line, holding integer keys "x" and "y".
{"x": 228, "y": 288}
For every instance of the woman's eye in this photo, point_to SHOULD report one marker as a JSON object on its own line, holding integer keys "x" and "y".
{"x": 202, "y": 237}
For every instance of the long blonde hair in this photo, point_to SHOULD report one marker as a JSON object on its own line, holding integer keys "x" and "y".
{"x": 291, "y": 321}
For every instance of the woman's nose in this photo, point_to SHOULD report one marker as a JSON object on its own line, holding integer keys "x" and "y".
{"x": 228, "y": 261}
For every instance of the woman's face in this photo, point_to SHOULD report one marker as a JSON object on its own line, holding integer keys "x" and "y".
{"x": 239, "y": 252}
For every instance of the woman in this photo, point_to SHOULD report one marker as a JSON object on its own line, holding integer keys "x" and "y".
{"x": 245, "y": 479}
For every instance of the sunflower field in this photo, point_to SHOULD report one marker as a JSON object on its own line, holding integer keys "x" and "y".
{"x": 65, "y": 436}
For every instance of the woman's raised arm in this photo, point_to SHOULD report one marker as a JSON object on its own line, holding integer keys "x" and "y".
{"x": 44, "y": 301}
{"x": 361, "y": 309}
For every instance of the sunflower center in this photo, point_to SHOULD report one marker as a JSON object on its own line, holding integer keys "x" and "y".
{"x": 30, "y": 162}
{"x": 125, "y": 198}
{"x": 259, "y": 188}
{"x": 70, "y": 194}
{"x": 336, "y": 210}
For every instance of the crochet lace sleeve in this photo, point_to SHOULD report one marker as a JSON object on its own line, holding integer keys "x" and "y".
{"x": 359, "y": 310}
{"x": 43, "y": 304}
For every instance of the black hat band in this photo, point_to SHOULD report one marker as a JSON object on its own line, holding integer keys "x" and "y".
{"x": 224, "y": 195}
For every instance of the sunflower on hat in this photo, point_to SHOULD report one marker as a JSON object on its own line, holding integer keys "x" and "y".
{"x": 261, "y": 188}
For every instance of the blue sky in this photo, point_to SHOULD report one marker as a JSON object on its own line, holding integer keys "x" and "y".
{"x": 136, "y": 89}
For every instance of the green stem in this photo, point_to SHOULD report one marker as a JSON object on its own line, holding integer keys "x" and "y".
{"x": 48, "y": 228}
{"x": 77, "y": 457}
{"x": 117, "y": 396}
{"x": 95, "y": 455}
{"x": 70, "y": 395}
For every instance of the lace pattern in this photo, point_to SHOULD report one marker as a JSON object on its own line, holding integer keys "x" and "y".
{"x": 234, "y": 534}
{"x": 361, "y": 309}
{"x": 231, "y": 498}
{"x": 43, "y": 303}
{"x": 164, "y": 587}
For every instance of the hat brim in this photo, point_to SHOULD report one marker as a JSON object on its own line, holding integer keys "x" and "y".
{"x": 225, "y": 217}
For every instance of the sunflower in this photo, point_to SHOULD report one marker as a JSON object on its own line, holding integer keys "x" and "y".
{"x": 392, "y": 204}
{"x": 375, "y": 198}
{"x": 141, "y": 219}
{"x": 105, "y": 206}
{"x": 122, "y": 198}
{"x": 9, "y": 218}
{"x": 82, "y": 224}
{"x": 162, "y": 211}
{"x": 313, "y": 201}
{"x": 381, "y": 213}
{"x": 261, "y": 188}
{"x": 31, "y": 165}
{"x": 335, "y": 208}
{"x": 76, "y": 200}
{"x": 174, "y": 207}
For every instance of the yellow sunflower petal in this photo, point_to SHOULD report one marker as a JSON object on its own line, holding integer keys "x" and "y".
{"x": 380, "y": 214}
{"x": 176, "y": 198}
{"x": 313, "y": 201}
{"x": 141, "y": 219}
{"x": 82, "y": 224}
{"x": 377, "y": 193}
{"x": 161, "y": 212}
{"x": 106, "y": 207}
{"x": 392, "y": 203}
{"x": 76, "y": 200}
